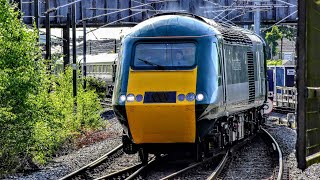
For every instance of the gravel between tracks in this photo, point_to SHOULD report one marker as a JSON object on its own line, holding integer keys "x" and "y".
{"x": 253, "y": 161}
{"x": 286, "y": 138}
{"x": 65, "y": 164}
{"x": 61, "y": 166}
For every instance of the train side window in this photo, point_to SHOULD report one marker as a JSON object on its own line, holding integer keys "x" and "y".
{"x": 216, "y": 63}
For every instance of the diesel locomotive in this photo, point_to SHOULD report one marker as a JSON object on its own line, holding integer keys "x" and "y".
{"x": 187, "y": 83}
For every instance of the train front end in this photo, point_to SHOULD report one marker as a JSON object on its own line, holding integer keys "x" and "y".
{"x": 157, "y": 89}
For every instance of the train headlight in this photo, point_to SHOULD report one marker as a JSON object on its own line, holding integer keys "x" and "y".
{"x": 199, "y": 97}
{"x": 181, "y": 97}
{"x": 122, "y": 98}
{"x": 190, "y": 96}
{"x": 130, "y": 98}
{"x": 139, "y": 98}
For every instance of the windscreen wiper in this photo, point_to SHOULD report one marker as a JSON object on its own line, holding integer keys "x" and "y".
{"x": 151, "y": 63}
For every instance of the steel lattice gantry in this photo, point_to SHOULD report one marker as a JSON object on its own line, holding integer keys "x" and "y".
{"x": 129, "y": 12}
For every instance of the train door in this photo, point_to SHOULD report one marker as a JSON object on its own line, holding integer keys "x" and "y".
{"x": 222, "y": 76}
{"x": 260, "y": 71}
{"x": 258, "y": 91}
{"x": 270, "y": 74}
{"x": 308, "y": 84}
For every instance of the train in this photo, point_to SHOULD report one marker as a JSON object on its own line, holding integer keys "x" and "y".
{"x": 185, "y": 83}
{"x": 101, "y": 66}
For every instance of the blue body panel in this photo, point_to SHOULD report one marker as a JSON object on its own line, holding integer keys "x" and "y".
{"x": 279, "y": 77}
{"x": 270, "y": 80}
{"x": 290, "y": 72}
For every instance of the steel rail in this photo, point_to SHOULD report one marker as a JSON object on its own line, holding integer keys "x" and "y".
{"x": 175, "y": 174}
{"x": 226, "y": 154}
{"x": 141, "y": 170}
{"x": 219, "y": 168}
{"x": 277, "y": 148}
{"x": 215, "y": 174}
{"x": 129, "y": 173}
{"x": 93, "y": 164}
{"x": 121, "y": 173}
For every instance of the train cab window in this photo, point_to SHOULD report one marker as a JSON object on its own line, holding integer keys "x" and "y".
{"x": 165, "y": 56}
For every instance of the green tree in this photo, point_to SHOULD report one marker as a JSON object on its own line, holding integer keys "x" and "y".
{"x": 35, "y": 122}
{"x": 20, "y": 80}
{"x": 289, "y": 33}
{"x": 271, "y": 39}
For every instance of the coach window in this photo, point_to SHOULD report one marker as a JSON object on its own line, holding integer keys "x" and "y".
{"x": 109, "y": 69}
{"x": 88, "y": 70}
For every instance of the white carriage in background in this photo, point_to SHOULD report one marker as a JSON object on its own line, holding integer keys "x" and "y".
{"x": 101, "y": 66}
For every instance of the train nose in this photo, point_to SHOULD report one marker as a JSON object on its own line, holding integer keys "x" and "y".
{"x": 162, "y": 122}
{"x": 160, "y": 117}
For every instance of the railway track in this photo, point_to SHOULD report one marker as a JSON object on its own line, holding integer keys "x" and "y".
{"x": 86, "y": 171}
{"x": 220, "y": 164}
{"x": 261, "y": 159}
{"x": 211, "y": 167}
{"x": 208, "y": 169}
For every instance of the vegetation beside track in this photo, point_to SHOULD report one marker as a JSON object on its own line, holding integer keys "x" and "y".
{"x": 37, "y": 109}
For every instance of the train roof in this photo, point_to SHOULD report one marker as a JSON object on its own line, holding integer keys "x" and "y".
{"x": 100, "y": 58}
{"x": 172, "y": 26}
{"x": 175, "y": 24}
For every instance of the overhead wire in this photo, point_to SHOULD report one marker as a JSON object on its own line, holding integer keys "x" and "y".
{"x": 113, "y": 22}
{"x": 281, "y": 20}
{"x": 121, "y": 10}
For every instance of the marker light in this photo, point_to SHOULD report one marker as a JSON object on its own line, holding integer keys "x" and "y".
{"x": 130, "y": 98}
{"x": 139, "y": 98}
{"x": 190, "y": 96}
{"x": 181, "y": 97}
{"x": 200, "y": 97}
{"x": 122, "y": 98}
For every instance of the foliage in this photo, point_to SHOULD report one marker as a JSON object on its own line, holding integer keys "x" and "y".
{"x": 62, "y": 120}
{"x": 271, "y": 39}
{"x": 19, "y": 85}
{"x": 274, "y": 62}
{"x": 288, "y": 32}
{"x": 37, "y": 111}
{"x": 98, "y": 85}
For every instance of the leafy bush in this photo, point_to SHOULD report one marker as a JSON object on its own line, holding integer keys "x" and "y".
{"x": 274, "y": 62}
{"x": 37, "y": 110}
{"x": 99, "y": 85}
{"x": 63, "y": 119}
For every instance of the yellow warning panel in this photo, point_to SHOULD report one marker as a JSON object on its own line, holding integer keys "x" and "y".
{"x": 151, "y": 123}
{"x": 162, "y": 122}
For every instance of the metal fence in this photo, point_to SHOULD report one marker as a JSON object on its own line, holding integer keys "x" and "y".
{"x": 285, "y": 98}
